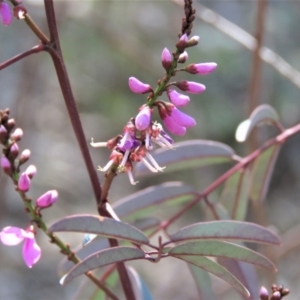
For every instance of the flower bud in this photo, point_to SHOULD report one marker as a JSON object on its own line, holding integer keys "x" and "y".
{"x": 182, "y": 43}
{"x": 190, "y": 86}
{"x": 5, "y": 165}
{"x": 10, "y": 124}
{"x": 143, "y": 119}
{"x": 31, "y": 171}
{"x": 25, "y": 155}
{"x": 17, "y": 135}
{"x": 166, "y": 59}
{"x": 183, "y": 57}
{"x": 14, "y": 151}
{"x": 138, "y": 87}
{"x": 193, "y": 41}
{"x": 24, "y": 182}
{"x": 201, "y": 69}
{"x": 263, "y": 293}
{"x": 3, "y": 134}
{"x": 276, "y": 296}
{"x": 5, "y": 14}
{"x": 177, "y": 98}
{"x": 47, "y": 199}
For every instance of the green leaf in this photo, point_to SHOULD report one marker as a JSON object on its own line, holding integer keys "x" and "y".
{"x": 235, "y": 195}
{"x": 103, "y": 258}
{"x": 146, "y": 201}
{"x": 102, "y": 226}
{"x": 222, "y": 249}
{"x": 226, "y": 230}
{"x": 189, "y": 154}
{"x": 261, "y": 173}
{"x": 203, "y": 283}
{"x": 262, "y": 114}
{"x": 216, "y": 269}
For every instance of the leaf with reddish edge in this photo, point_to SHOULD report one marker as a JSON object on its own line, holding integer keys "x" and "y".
{"x": 146, "y": 201}
{"x": 226, "y": 230}
{"x": 222, "y": 249}
{"x": 203, "y": 283}
{"x": 102, "y": 226}
{"x": 246, "y": 273}
{"x": 216, "y": 269}
{"x": 189, "y": 154}
{"x": 234, "y": 196}
{"x": 103, "y": 258}
{"x": 261, "y": 173}
{"x": 262, "y": 114}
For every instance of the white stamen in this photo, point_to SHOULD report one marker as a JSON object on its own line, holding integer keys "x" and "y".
{"x": 155, "y": 164}
{"x": 106, "y": 167}
{"x": 161, "y": 141}
{"x": 131, "y": 179}
{"x": 147, "y": 164}
{"x": 125, "y": 157}
{"x": 147, "y": 143}
{"x": 100, "y": 144}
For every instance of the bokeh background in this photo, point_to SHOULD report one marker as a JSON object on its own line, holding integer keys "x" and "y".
{"x": 104, "y": 43}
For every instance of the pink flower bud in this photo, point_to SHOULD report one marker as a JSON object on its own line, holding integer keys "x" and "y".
{"x": 47, "y": 199}
{"x": 143, "y": 119}
{"x": 31, "y": 171}
{"x": 276, "y": 296}
{"x": 25, "y": 155}
{"x": 173, "y": 127}
{"x": 5, "y": 165}
{"x": 3, "y": 133}
{"x": 182, "y": 119}
{"x": 183, "y": 57}
{"x": 193, "y": 41}
{"x": 10, "y": 124}
{"x": 138, "y": 87}
{"x": 17, "y": 135}
{"x": 14, "y": 151}
{"x": 166, "y": 59}
{"x": 263, "y": 293}
{"x": 201, "y": 69}
{"x": 5, "y": 14}
{"x": 182, "y": 43}
{"x": 190, "y": 86}
{"x": 177, "y": 98}
{"x": 24, "y": 182}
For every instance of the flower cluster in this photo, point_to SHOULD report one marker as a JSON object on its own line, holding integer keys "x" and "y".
{"x": 142, "y": 134}
{"x": 278, "y": 292}
{"x": 11, "y": 163}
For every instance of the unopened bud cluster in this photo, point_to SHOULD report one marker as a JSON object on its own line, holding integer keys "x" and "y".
{"x": 142, "y": 134}
{"x": 278, "y": 292}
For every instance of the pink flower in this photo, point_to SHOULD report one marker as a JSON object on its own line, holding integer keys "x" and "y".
{"x": 173, "y": 127}
{"x": 143, "y": 119}
{"x": 12, "y": 236}
{"x": 5, "y": 13}
{"x": 5, "y": 165}
{"x": 182, "y": 119}
{"x": 31, "y": 171}
{"x": 190, "y": 86}
{"x": 138, "y": 87}
{"x": 24, "y": 182}
{"x": 201, "y": 69}
{"x": 47, "y": 199}
{"x": 166, "y": 59}
{"x": 177, "y": 98}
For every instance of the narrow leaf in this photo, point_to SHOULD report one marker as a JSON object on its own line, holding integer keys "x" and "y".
{"x": 105, "y": 227}
{"x": 216, "y": 269}
{"x": 228, "y": 230}
{"x": 262, "y": 114}
{"x": 235, "y": 195}
{"x": 189, "y": 154}
{"x": 103, "y": 258}
{"x": 146, "y": 201}
{"x": 261, "y": 173}
{"x": 222, "y": 249}
{"x": 203, "y": 283}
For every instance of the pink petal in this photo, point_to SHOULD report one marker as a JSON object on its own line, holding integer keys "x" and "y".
{"x": 177, "y": 98}
{"x": 31, "y": 252}
{"x": 47, "y": 199}
{"x": 138, "y": 87}
{"x": 173, "y": 127}
{"x": 143, "y": 118}
{"x": 11, "y": 236}
{"x": 182, "y": 119}
{"x": 166, "y": 59}
{"x": 202, "y": 69}
{"x": 5, "y": 14}
{"x": 24, "y": 182}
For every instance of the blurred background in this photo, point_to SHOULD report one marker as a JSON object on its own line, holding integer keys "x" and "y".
{"x": 104, "y": 43}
